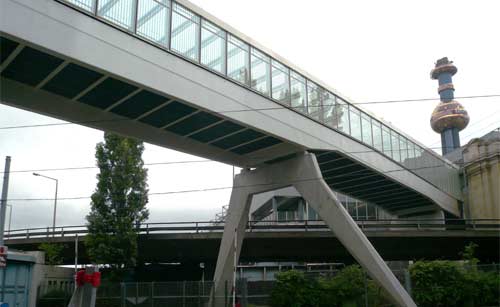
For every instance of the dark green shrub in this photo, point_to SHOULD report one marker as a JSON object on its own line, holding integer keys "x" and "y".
{"x": 292, "y": 289}
{"x": 437, "y": 283}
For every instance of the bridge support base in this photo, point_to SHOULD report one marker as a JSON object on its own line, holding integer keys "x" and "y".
{"x": 304, "y": 174}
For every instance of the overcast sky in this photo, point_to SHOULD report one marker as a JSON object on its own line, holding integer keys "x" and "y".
{"x": 367, "y": 50}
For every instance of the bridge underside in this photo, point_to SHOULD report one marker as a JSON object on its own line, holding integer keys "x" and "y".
{"x": 36, "y": 79}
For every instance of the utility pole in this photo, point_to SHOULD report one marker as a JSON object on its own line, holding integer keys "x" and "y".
{"x": 5, "y": 190}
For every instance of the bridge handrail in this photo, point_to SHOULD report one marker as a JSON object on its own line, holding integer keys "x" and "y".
{"x": 305, "y": 225}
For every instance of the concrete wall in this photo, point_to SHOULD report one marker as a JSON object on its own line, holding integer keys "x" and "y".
{"x": 482, "y": 170}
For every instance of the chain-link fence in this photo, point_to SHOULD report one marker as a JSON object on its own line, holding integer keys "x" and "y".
{"x": 199, "y": 293}
{"x": 162, "y": 294}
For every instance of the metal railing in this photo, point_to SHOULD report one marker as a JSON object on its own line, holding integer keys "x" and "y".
{"x": 269, "y": 226}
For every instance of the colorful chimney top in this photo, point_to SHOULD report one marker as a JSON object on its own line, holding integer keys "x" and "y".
{"x": 449, "y": 117}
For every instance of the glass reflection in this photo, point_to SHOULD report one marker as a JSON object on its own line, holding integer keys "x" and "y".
{"x": 153, "y": 20}
{"x": 377, "y": 135}
{"x": 213, "y": 46}
{"x": 87, "y": 5}
{"x": 386, "y": 141}
{"x": 313, "y": 103}
{"x": 281, "y": 82}
{"x": 237, "y": 60}
{"x": 298, "y": 88}
{"x": 119, "y": 12}
{"x": 366, "y": 128}
{"x": 260, "y": 64}
{"x": 355, "y": 119}
{"x": 185, "y": 27}
{"x": 395, "y": 146}
{"x": 342, "y": 116}
{"x": 328, "y": 102}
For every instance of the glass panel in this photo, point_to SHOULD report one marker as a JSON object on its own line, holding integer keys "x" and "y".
{"x": 185, "y": 27}
{"x": 342, "y": 116}
{"x": 361, "y": 210}
{"x": 213, "y": 46}
{"x": 87, "y": 5}
{"x": 237, "y": 60}
{"x": 313, "y": 103}
{"x": 419, "y": 159}
{"x": 371, "y": 212}
{"x": 299, "y": 94}
{"x": 280, "y": 82}
{"x": 355, "y": 118}
{"x": 351, "y": 207}
{"x": 366, "y": 128}
{"x": 411, "y": 155}
{"x": 403, "y": 148}
{"x": 152, "y": 20}
{"x": 120, "y": 12}
{"x": 260, "y": 72}
{"x": 386, "y": 141}
{"x": 395, "y": 146}
{"x": 328, "y": 102}
{"x": 377, "y": 135}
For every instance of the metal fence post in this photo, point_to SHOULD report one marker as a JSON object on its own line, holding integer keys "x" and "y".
{"x": 212, "y": 294}
{"x": 152, "y": 294}
{"x": 408, "y": 282}
{"x": 225, "y": 293}
{"x": 122, "y": 294}
{"x": 366, "y": 289}
{"x": 184, "y": 294}
{"x": 244, "y": 292}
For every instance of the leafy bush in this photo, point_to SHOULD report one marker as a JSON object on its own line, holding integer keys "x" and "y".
{"x": 437, "y": 283}
{"x": 292, "y": 289}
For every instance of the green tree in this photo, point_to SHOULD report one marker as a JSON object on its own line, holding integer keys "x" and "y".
{"x": 53, "y": 253}
{"x": 293, "y": 289}
{"x": 118, "y": 203}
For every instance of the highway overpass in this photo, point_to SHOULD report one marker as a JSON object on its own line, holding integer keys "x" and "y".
{"x": 286, "y": 241}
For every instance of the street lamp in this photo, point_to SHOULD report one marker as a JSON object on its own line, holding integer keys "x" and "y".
{"x": 10, "y": 216}
{"x": 55, "y": 202}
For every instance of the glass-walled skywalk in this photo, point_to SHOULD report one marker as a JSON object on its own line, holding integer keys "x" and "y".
{"x": 176, "y": 29}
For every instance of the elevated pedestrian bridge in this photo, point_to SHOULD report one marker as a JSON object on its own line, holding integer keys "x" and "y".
{"x": 170, "y": 74}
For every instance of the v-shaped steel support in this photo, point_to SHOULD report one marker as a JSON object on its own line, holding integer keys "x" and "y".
{"x": 304, "y": 174}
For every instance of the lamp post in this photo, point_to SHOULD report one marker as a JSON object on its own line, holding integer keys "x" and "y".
{"x": 10, "y": 217}
{"x": 55, "y": 202}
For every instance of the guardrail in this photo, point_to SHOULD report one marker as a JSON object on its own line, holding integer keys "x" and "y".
{"x": 262, "y": 226}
